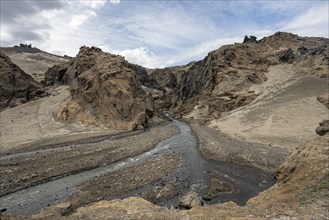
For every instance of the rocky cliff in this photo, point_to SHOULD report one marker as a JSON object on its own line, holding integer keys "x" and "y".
{"x": 105, "y": 90}
{"x": 221, "y": 81}
{"x": 16, "y": 86}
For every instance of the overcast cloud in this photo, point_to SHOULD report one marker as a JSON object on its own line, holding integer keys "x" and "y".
{"x": 154, "y": 33}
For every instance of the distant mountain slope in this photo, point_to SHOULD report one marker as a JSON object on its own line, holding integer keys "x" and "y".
{"x": 16, "y": 86}
{"x": 33, "y": 61}
{"x": 221, "y": 81}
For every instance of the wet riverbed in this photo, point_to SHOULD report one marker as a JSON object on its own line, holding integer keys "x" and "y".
{"x": 196, "y": 174}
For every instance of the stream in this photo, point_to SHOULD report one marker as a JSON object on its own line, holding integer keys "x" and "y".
{"x": 196, "y": 171}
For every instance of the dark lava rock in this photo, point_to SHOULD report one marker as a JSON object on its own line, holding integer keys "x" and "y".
{"x": 229, "y": 54}
{"x": 16, "y": 86}
{"x": 56, "y": 75}
{"x": 302, "y": 50}
{"x": 286, "y": 55}
{"x": 249, "y": 39}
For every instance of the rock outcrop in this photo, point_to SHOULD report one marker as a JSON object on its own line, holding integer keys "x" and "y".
{"x": 16, "y": 86}
{"x": 104, "y": 91}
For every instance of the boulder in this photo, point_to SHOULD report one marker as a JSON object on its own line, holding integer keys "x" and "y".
{"x": 323, "y": 128}
{"x": 324, "y": 100}
{"x": 190, "y": 200}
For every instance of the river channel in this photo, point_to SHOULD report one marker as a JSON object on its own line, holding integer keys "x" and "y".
{"x": 196, "y": 172}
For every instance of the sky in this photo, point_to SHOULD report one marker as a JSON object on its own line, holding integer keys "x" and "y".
{"x": 154, "y": 34}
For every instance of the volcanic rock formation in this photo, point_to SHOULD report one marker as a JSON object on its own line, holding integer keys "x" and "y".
{"x": 105, "y": 90}
{"x": 16, "y": 86}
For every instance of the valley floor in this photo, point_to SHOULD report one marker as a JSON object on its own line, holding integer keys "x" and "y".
{"x": 255, "y": 140}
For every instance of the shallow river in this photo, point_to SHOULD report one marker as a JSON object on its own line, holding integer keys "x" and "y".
{"x": 196, "y": 170}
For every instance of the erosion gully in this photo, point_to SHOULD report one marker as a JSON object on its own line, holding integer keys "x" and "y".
{"x": 195, "y": 171}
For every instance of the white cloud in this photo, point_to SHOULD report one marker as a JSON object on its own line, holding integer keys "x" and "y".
{"x": 93, "y": 3}
{"x": 142, "y": 56}
{"x": 155, "y": 34}
{"x": 163, "y": 28}
{"x": 78, "y": 20}
{"x": 115, "y": 1}
{"x": 5, "y": 34}
{"x": 201, "y": 50}
{"x": 314, "y": 22}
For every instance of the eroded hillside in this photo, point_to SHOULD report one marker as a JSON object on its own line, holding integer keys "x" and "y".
{"x": 222, "y": 81}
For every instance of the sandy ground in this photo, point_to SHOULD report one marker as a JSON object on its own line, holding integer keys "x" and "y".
{"x": 286, "y": 112}
{"x": 34, "y": 121}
